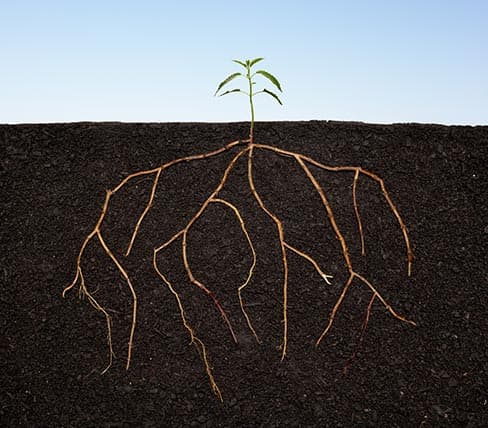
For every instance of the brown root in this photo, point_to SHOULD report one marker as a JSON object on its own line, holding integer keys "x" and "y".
{"x": 304, "y": 162}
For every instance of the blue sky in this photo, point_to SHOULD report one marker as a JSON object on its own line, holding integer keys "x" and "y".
{"x": 379, "y": 61}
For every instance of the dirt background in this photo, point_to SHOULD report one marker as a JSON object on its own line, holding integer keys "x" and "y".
{"x": 53, "y": 183}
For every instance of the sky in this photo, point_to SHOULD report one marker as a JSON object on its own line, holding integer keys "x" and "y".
{"x": 377, "y": 61}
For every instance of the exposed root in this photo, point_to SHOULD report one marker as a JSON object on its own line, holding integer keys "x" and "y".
{"x": 134, "y": 298}
{"x": 324, "y": 276}
{"x": 204, "y": 288}
{"x": 253, "y": 265}
{"x": 146, "y": 210}
{"x": 345, "y": 251}
{"x": 98, "y": 307}
{"x": 356, "y": 211}
{"x": 361, "y": 335}
{"x": 304, "y": 162}
{"x": 184, "y": 232}
{"x": 382, "y": 300}
{"x": 357, "y": 170}
{"x": 281, "y": 237}
{"x": 335, "y": 309}
{"x": 194, "y": 339}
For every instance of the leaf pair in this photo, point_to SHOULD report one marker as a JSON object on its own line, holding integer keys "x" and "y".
{"x": 227, "y": 80}
{"x": 248, "y": 64}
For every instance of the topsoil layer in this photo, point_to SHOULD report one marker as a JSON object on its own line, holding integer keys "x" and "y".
{"x": 53, "y": 183}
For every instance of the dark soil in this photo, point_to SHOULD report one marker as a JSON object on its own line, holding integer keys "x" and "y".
{"x": 53, "y": 182}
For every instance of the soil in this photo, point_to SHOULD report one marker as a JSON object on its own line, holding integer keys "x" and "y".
{"x": 53, "y": 183}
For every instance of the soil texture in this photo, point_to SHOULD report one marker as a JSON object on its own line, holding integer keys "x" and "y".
{"x": 53, "y": 183}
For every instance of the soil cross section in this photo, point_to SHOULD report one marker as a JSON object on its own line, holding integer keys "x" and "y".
{"x": 244, "y": 152}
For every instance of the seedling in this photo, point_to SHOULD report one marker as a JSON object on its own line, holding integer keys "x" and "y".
{"x": 250, "y": 93}
{"x": 245, "y": 150}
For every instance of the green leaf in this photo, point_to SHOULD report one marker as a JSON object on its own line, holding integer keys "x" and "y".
{"x": 230, "y": 92}
{"x": 227, "y": 80}
{"x": 271, "y": 78}
{"x": 239, "y": 62}
{"x": 273, "y": 95}
{"x": 254, "y": 61}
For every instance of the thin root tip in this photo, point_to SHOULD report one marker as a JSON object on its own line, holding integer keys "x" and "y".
{"x": 326, "y": 277}
{"x": 409, "y": 263}
{"x": 105, "y": 370}
{"x": 283, "y": 353}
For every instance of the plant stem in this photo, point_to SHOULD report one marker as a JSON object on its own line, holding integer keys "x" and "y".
{"x": 251, "y": 129}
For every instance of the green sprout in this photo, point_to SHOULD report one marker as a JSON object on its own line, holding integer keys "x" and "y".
{"x": 250, "y": 75}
